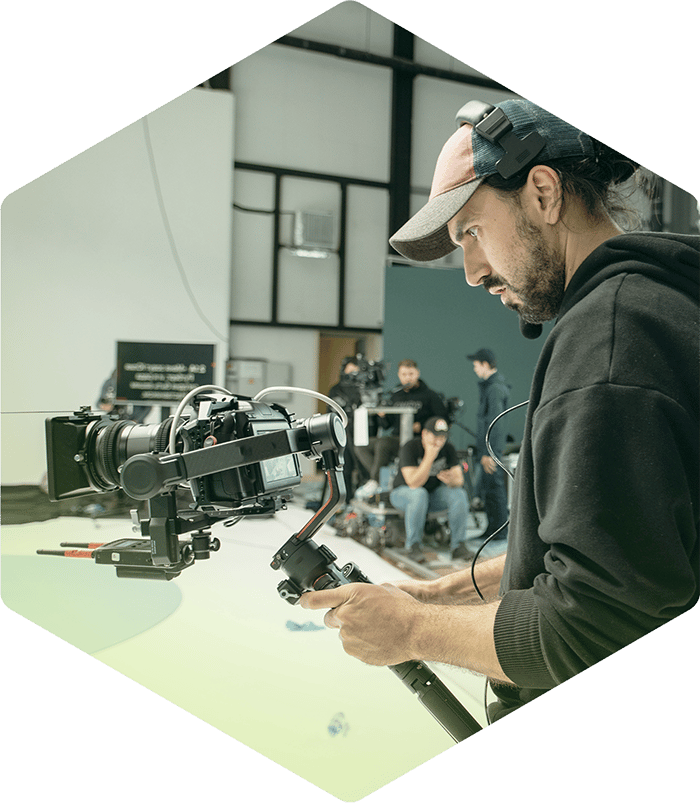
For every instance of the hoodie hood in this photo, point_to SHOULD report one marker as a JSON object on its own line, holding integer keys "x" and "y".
{"x": 671, "y": 259}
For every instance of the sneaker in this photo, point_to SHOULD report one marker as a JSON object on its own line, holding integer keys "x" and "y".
{"x": 460, "y": 552}
{"x": 370, "y": 488}
{"x": 416, "y": 553}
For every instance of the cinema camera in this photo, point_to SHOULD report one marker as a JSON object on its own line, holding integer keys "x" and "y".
{"x": 236, "y": 455}
{"x": 239, "y": 457}
{"x": 369, "y": 379}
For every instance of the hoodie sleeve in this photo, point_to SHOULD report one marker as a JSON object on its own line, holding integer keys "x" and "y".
{"x": 615, "y": 497}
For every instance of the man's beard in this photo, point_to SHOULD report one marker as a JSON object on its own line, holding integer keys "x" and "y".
{"x": 541, "y": 277}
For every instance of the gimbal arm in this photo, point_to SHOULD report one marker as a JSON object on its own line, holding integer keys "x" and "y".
{"x": 143, "y": 476}
{"x": 154, "y": 477}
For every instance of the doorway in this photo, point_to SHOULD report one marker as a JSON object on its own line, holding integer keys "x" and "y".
{"x": 332, "y": 349}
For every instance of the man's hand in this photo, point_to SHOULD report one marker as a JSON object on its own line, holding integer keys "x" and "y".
{"x": 488, "y": 464}
{"x": 384, "y": 626}
{"x": 453, "y": 477}
{"x": 422, "y": 590}
{"x": 431, "y": 450}
{"x": 375, "y": 621}
{"x": 457, "y": 588}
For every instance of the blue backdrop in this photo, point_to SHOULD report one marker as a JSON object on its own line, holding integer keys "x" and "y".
{"x": 432, "y": 316}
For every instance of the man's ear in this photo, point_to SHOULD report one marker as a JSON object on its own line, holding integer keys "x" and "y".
{"x": 544, "y": 194}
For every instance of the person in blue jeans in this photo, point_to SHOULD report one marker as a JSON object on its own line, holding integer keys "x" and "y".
{"x": 430, "y": 478}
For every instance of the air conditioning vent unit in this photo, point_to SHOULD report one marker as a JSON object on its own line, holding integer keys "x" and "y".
{"x": 314, "y": 230}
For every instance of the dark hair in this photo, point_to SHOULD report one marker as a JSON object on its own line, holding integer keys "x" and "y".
{"x": 595, "y": 180}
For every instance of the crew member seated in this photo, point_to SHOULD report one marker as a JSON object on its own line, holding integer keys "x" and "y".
{"x": 430, "y": 478}
{"x": 383, "y": 449}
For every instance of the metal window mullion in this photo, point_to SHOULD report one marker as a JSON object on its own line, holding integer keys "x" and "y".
{"x": 276, "y": 249}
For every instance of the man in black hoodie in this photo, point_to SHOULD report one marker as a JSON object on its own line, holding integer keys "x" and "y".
{"x": 603, "y": 539}
{"x": 382, "y": 449}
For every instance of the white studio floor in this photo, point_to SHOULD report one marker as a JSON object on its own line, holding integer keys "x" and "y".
{"x": 219, "y": 642}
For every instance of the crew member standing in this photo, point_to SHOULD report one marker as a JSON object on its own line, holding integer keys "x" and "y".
{"x": 494, "y": 395}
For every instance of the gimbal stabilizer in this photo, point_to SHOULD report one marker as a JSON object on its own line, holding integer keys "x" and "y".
{"x": 311, "y": 567}
{"x": 308, "y": 566}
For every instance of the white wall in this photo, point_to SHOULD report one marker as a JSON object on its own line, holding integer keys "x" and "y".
{"x": 87, "y": 261}
{"x": 351, "y": 25}
{"x": 298, "y": 109}
{"x": 86, "y": 257}
{"x": 305, "y": 111}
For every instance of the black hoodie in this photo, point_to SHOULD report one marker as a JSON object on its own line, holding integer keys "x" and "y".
{"x": 603, "y": 543}
{"x": 424, "y": 401}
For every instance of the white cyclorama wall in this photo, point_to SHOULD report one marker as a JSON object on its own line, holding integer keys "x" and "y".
{"x": 306, "y": 111}
{"x": 87, "y": 260}
{"x": 296, "y": 347}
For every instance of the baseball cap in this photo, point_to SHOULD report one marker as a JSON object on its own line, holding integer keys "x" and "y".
{"x": 483, "y": 355}
{"x": 438, "y": 426}
{"x": 465, "y": 160}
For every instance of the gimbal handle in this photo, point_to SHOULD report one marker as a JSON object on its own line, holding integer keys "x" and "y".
{"x": 309, "y": 566}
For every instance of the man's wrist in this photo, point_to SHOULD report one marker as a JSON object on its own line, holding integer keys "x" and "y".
{"x": 422, "y": 632}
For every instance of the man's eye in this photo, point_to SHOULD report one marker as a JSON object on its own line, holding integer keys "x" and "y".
{"x": 471, "y": 232}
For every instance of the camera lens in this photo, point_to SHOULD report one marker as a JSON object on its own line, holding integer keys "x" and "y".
{"x": 110, "y": 445}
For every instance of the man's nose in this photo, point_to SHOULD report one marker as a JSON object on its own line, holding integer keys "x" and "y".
{"x": 475, "y": 270}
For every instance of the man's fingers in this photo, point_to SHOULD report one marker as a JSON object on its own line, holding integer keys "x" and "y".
{"x": 331, "y": 620}
{"x": 329, "y": 598}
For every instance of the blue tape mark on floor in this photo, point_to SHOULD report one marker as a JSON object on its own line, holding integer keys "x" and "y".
{"x": 306, "y": 626}
{"x": 338, "y": 725}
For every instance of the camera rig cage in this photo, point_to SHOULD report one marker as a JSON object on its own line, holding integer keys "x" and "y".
{"x": 368, "y": 379}
{"x": 239, "y": 457}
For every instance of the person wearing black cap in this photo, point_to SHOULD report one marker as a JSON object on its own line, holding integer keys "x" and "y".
{"x": 430, "y": 478}
{"x": 494, "y": 393}
{"x": 346, "y": 393}
{"x": 603, "y": 542}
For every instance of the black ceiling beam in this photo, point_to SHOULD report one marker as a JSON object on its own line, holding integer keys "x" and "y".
{"x": 401, "y": 132}
{"x": 392, "y": 62}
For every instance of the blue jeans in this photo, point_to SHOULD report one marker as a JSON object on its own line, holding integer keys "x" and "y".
{"x": 417, "y": 503}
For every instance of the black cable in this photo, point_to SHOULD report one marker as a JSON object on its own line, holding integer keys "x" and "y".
{"x": 494, "y": 534}
{"x": 254, "y": 211}
{"x": 171, "y": 239}
{"x": 509, "y": 473}
{"x": 35, "y": 412}
{"x": 478, "y": 552}
{"x": 488, "y": 432}
{"x": 486, "y": 702}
